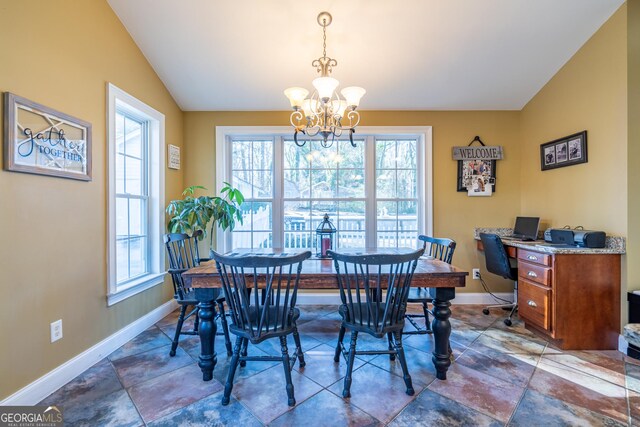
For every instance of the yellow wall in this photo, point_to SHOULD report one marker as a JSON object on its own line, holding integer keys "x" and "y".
{"x": 53, "y": 252}
{"x": 455, "y": 214}
{"x": 633, "y": 154}
{"x": 589, "y": 92}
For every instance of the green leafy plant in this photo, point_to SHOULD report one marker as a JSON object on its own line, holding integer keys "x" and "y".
{"x": 190, "y": 214}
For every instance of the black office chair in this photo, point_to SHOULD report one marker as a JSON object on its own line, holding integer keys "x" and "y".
{"x": 441, "y": 249}
{"x": 257, "y": 319}
{"x": 498, "y": 263}
{"x": 183, "y": 255}
{"x": 366, "y": 308}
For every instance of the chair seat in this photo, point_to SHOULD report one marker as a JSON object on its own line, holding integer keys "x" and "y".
{"x": 362, "y": 326}
{"x": 272, "y": 318}
{"x": 419, "y": 295}
{"x": 632, "y": 333}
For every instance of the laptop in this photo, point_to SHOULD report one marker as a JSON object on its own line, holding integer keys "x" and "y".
{"x": 526, "y": 228}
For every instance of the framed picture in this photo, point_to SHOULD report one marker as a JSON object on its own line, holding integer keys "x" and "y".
{"x": 566, "y": 151}
{"x": 173, "y": 160}
{"x": 469, "y": 171}
{"x": 43, "y": 141}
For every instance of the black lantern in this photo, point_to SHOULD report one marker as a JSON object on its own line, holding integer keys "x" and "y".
{"x": 324, "y": 236}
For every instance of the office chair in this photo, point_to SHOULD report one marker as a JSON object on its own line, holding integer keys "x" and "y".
{"x": 498, "y": 263}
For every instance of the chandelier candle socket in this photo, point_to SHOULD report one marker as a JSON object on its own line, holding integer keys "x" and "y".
{"x": 324, "y": 112}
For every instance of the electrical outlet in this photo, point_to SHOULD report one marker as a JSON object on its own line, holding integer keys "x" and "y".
{"x": 56, "y": 330}
{"x": 476, "y": 274}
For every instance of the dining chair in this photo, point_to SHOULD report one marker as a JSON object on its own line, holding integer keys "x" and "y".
{"x": 256, "y": 319}
{"x": 374, "y": 289}
{"x": 437, "y": 248}
{"x": 183, "y": 255}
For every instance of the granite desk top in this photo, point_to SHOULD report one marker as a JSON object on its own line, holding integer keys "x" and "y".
{"x": 613, "y": 244}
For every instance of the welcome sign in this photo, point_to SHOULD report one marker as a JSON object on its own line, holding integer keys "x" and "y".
{"x": 477, "y": 153}
{"x": 44, "y": 141}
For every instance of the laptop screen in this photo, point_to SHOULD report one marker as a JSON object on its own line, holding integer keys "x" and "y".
{"x": 526, "y": 227}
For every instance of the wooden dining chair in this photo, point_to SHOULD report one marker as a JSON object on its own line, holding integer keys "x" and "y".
{"x": 437, "y": 248}
{"x": 374, "y": 290}
{"x": 183, "y": 255}
{"x": 255, "y": 318}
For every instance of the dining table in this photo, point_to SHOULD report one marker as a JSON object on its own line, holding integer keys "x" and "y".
{"x": 440, "y": 278}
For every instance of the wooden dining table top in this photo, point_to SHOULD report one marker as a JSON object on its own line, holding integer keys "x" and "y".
{"x": 320, "y": 273}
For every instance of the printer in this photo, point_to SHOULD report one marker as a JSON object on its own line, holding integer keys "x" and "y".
{"x": 581, "y": 238}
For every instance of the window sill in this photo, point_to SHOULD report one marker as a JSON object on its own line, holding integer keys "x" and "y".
{"x": 135, "y": 287}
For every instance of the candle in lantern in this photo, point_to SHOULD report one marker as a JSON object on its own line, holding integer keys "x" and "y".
{"x": 326, "y": 245}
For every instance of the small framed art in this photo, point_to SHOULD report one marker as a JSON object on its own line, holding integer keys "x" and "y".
{"x": 470, "y": 170}
{"x": 567, "y": 151}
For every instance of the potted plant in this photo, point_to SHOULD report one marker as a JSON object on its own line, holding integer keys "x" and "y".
{"x": 191, "y": 213}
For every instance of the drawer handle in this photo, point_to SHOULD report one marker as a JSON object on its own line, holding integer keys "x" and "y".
{"x": 532, "y": 257}
{"x": 532, "y": 274}
{"x": 532, "y": 304}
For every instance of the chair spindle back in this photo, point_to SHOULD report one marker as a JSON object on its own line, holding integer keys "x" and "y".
{"x": 183, "y": 255}
{"x": 243, "y": 279}
{"x": 374, "y": 288}
{"x": 438, "y": 248}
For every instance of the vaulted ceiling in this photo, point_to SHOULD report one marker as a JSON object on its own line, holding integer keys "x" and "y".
{"x": 410, "y": 54}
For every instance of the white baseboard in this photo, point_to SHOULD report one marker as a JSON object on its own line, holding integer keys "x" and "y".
{"x": 53, "y": 380}
{"x": 309, "y": 298}
{"x": 623, "y": 345}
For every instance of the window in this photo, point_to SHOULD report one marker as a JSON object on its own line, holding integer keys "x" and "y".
{"x": 324, "y": 180}
{"x": 396, "y": 192}
{"x": 252, "y": 173}
{"x": 136, "y": 196}
{"x": 375, "y": 193}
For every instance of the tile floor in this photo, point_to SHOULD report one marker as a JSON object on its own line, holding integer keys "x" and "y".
{"x": 501, "y": 376}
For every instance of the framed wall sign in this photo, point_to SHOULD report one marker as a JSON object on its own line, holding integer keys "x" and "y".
{"x": 562, "y": 152}
{"x": 173, "y": 158}
{"x": 41, "y": 140}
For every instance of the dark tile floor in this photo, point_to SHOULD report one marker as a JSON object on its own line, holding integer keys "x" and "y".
{"x": 501, "y": 375}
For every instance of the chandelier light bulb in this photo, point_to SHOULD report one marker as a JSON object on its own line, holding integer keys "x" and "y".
{"x": 338, "y": 107}
{"x": 310, "y": 107}
{"x": 325, "y": 87}
{"x": 352, "y": 95}
{"x": 296, "y": 96}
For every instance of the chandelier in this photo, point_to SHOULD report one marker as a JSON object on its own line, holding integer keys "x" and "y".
{"x": 324, "y": 112}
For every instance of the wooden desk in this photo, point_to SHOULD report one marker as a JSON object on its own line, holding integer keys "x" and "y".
{"x": 441, "y": 278}
{"x": 571, "y": 297}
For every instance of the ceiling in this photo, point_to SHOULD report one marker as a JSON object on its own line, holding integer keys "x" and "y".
{"x": 408, "y": 55}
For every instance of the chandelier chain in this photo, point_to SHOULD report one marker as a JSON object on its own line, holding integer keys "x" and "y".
{"x": 324, "y": 38}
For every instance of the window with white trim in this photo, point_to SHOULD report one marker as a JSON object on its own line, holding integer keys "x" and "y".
{"x": 375, "y": 193}
{"x": 136, "y": 195}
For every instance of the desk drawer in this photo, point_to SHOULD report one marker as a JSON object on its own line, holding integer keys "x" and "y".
{"x": 535, "y": 257}
{"x": 535, "y": 273}
{"x": 534, "y": 304}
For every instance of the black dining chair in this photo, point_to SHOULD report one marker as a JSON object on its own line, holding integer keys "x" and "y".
{"x": 374, "y": 289}
{"x": 254, "y": 318}
{"x": 183, "y": 255}
{"x": 437, "y": 248}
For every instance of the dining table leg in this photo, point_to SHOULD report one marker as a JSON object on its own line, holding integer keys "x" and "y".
{"x": 441, "y": 329}
{"x": 207, "y": 330}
